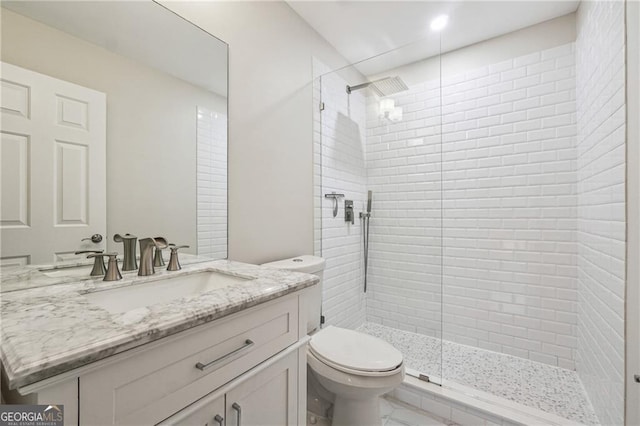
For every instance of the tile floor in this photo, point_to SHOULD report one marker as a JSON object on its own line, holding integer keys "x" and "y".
{"x": 393, "y": 413}
{"x": 545, "y": 387}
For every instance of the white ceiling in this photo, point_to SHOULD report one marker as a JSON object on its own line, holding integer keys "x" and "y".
{"x": 140, "y": 30}
{"x": 363, "y": 29}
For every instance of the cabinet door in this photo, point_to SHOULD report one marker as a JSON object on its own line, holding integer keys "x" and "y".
{"x": 270, "y": 398}
{"x": 203, "y": 413}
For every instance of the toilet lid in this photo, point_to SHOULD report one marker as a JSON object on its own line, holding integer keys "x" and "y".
{"x": 354, "y": 350}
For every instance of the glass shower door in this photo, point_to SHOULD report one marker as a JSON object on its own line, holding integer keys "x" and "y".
{"x": 378, "y": 131}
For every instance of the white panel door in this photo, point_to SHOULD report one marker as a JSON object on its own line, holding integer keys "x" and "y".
{"x": 53, "y": 167}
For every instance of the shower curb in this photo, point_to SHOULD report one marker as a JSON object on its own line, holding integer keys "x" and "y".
{"x": 469, "y": 407}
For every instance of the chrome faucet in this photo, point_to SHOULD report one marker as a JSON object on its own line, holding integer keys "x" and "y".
{"x": 146, "y": 254}
{"x": 129, "y": 262}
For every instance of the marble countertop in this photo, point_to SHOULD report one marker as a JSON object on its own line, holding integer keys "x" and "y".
{"x": 49, "y": 327}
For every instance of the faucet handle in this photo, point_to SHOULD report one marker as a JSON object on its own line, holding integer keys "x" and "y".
{"x": 174, "y": 263}
{"x": 113, "y": 273}
{"x": 101, "y": 254}
{"x": 98, "y": 263}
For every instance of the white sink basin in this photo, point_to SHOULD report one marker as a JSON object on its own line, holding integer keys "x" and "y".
{"x": 162, "y": 290}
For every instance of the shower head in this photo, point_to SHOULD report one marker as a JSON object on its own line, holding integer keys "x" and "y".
{"x": 383, "y": 87}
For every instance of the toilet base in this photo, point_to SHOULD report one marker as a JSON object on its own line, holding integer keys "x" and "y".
{"x": 356, "y": 412}
{"x": 319, "y": 400}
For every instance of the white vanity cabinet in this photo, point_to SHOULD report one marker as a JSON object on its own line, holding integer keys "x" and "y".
{"x": 266, "y": 397}
{"x": 248, "y": 368}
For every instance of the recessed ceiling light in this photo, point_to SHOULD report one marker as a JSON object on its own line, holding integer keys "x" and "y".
{"x": 439, "y": 22}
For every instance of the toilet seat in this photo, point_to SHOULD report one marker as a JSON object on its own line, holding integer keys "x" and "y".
{"x": 355, "y": 353}
{"x": 357, "y": 381}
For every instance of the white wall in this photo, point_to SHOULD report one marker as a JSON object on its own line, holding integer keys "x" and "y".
{"x": 270, "y": 123}
{"x": 600, "y": 80}
{"x": 151, "y": 127}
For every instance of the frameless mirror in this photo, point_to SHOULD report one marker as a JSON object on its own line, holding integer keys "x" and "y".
{"x": 114, "y": 120}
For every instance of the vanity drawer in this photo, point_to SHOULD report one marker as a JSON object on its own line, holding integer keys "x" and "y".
{"x": 154, "y": 383}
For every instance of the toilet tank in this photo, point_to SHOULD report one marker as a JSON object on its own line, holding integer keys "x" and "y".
{"x": 310, "y": 265}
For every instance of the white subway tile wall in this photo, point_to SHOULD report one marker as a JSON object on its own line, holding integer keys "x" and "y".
{"x": 507, "y": 247}
{"x": 211, "y": 135}
{"x": 600, "y": 70}
{"x": 341, "y": 168}
{"x": 318, "y": 69}
{"x": 404, "y": 173}
{"x": 509, "y": 214}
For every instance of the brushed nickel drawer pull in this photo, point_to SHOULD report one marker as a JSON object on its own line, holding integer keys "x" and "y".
{"x": 218, "y": 419}
{"x": 238, "y": 409}
{"x": 247, "y": 345}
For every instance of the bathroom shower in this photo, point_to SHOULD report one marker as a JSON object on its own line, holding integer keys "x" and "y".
{"x": 364, "y": 217}
{"x": 487, "y": 254}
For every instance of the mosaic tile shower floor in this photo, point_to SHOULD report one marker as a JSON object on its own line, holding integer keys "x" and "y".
{"x": 545, "y": 387}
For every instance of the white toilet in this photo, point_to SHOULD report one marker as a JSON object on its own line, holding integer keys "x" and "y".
{"x": 354, "y": 367}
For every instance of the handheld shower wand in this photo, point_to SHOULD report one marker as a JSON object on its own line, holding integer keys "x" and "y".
{"x": 365, "y": 234}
